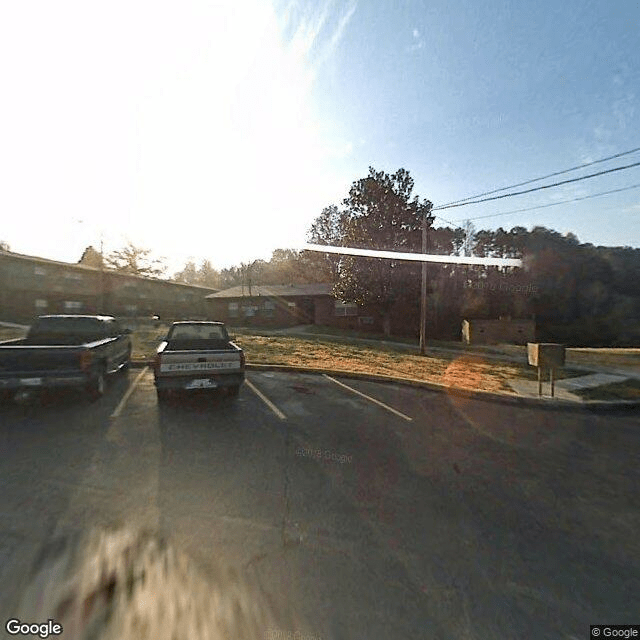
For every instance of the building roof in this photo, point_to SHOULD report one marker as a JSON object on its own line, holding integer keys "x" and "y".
{"x": 207, "y": 322}
{"x": 84, "y": 267}
{"x": 276, "y": 291}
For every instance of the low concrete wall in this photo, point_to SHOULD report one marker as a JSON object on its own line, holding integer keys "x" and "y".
{"x": 498, "y": 331}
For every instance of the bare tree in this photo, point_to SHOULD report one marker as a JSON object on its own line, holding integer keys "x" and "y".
{"x": 136, "y": 261}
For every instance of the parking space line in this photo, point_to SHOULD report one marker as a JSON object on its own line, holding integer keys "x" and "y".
{"x": 265, "y": 399}
{"x": 127, "y": 395}
{"x": 364, "y": 395}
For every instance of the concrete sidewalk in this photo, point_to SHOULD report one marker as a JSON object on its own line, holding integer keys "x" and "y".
{"x": 564, "y": 388}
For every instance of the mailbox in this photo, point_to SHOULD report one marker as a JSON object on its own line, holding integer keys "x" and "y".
{"x": 546, "y": 354}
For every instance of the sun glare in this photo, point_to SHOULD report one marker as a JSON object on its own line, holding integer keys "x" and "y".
{"x": 177, "y": 127}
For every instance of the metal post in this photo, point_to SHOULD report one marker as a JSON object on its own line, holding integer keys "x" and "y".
{"x": 539, "y": 381}
{"x": 101, "y": 275}
{"x": 423, "y": 291}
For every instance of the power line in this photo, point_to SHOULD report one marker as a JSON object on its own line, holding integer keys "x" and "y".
{"x": 551, "y": 175}
{"x": 544, "y": 206}
{"x": 545, "y": 186}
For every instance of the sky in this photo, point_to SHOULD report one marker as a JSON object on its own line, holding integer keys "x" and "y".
{"x": 220, "y": 130}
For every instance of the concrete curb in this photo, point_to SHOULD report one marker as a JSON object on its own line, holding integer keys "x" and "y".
{"x": 486, "y": 396}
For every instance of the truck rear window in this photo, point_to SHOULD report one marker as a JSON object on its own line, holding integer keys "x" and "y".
{"x": 199, "y": 332}
{"x": 80, "y": 327}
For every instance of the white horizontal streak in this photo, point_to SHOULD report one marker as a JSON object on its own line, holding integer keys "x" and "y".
{"x": 415, "y": 257}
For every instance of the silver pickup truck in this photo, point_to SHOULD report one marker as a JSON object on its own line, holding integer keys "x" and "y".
{"x": 198, "y": 355}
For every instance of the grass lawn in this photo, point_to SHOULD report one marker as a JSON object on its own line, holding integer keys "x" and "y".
{"x": 348, "y": 333}
{"x": 145, "y": 340}
{"x": 626, "y": 390}
{"x": 581, "y": 356}
{"x": 605, "y": 357}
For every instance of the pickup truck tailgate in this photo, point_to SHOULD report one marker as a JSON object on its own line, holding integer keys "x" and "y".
{"x": 21, "y": 360}
{"x": 177, "y": 363}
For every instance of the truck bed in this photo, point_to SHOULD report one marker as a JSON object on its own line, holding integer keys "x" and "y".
{"x": 22, "y": 357}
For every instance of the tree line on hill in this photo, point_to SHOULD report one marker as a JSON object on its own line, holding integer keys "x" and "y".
{"x": 578, "y": 294}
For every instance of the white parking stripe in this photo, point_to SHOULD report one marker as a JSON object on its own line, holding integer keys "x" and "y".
{"x": 364, "y": 395}
{"x": 265, "y": 399}
{"x": 127, "y": 395}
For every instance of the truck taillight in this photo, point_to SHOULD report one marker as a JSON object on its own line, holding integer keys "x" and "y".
{"x": 85, "y": 360}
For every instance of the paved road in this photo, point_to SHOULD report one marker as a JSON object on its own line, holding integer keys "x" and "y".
{"x": 424, "y": 516}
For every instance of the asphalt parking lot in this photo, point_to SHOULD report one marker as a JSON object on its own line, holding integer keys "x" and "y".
{"x": 370, "y": 510}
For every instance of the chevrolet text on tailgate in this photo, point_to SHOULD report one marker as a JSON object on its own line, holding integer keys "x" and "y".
{"x": 64, "y": 351}
{"x": 198, "y": 355}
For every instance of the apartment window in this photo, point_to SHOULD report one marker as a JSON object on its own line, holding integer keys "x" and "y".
{"x": 366, "y": 320}
{"x": 249, "y": 311}
{"x": 73, "y": 305}
{"x": 72, "y": 275}
{"x": 40, "y": 271}
{"x": 130, "y": 309}
{"x": 268, "y": 308}
{"x": 233, "y": 309}
{"x": 41, "y": 304}
{"x": 346, "y": 309}
{"x": 291, "y": 305}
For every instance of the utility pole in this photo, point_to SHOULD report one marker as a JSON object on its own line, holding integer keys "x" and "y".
{"x": 423, "y": 292}
{"x": 101, "y": 273}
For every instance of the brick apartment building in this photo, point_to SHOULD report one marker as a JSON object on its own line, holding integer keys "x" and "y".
{"x": 31, "y": 286}
{"x": 288, "y": 305}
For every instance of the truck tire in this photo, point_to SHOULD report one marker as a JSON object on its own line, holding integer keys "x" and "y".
{"x": 97, "y": 385}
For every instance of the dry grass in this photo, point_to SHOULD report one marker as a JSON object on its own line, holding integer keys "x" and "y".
{"x": 145, "y": 340}
{"x": 605, "y": 357}
{"x": 582, "y": 356}
{"x": 471, "y": 372}
{"x": 626, "y": 390}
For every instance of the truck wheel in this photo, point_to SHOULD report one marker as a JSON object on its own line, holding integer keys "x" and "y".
{"x": 97, "y": 385}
